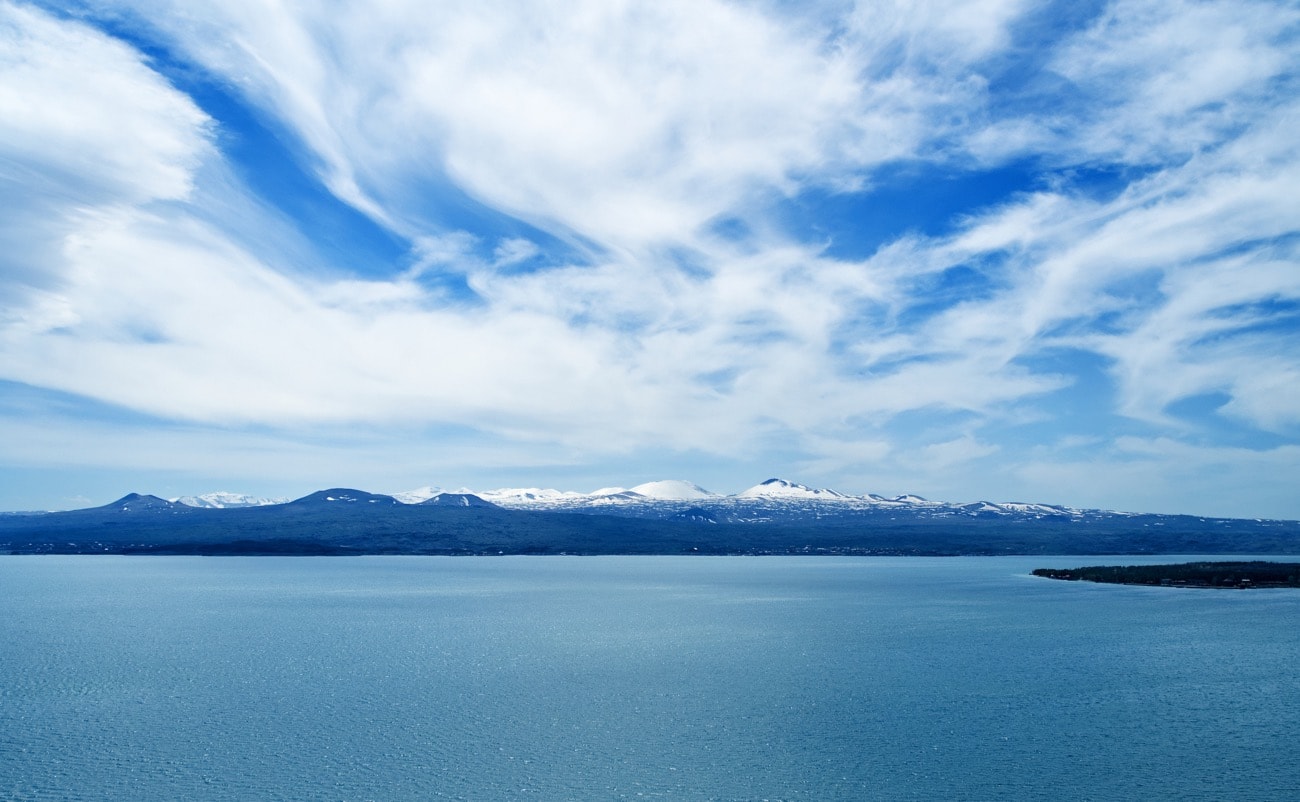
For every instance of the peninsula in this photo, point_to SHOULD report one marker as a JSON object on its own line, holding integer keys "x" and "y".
{"x": 1255, "y": 574}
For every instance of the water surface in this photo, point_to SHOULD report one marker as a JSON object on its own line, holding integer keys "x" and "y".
{"x": 161, "y": 678}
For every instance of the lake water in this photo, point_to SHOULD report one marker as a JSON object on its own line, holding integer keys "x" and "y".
{"x": 387, "y": 678}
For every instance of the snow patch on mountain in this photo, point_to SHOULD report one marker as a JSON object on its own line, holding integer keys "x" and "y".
{"x": 456, "y": 500}
{"x": 531, "y": 496}
{"x": 780, "y": 488}
{"x": 1040, "y": 509}
{"x": 672, "y": 489}
{"x": 418, "y": 495}
{"x": 908, "y": 498}
{"x": 225, "y": 500}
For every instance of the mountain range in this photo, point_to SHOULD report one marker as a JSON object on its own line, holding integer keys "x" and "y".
{"x": 665, "y": 517}
{"x": 769, "y": 500}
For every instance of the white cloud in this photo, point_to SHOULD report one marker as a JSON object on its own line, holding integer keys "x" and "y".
{"x": 83, "y": 122}
{"x": 82, "y": 114}
{"x": 934, "y": 39}
{"x": 941, "y": 457}
{"x": 514, "y": 250}
{"x": 625, "y": 124}
{"x": 1167, "y": 78}
{"x": 1174, "y": 280}
{"x": 628, "y": 130}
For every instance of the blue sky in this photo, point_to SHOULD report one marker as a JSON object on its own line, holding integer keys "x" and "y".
{"x": 984, "y": 249}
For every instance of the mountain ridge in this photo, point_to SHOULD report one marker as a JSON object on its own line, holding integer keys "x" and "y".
{"x": 662, "y": 498}
{"x": 374, "y": 524}
{"x": 780, "y": 517}
{"x": 678, "y": 490}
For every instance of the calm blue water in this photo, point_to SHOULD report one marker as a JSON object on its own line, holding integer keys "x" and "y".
{"x": 159, "y": 678}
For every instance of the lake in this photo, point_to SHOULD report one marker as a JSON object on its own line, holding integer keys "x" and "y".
{"x": 692, "y": 678}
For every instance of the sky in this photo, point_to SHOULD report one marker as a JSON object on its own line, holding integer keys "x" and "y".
{"x": 969, "y": 249}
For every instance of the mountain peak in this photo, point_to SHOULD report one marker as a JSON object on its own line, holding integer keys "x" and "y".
{"x": 780, "y": 488}
{"x": 137, "y": 502}
{"x": 672, "y": 489}
{"x": 419, "y": 495}
{"x": 343, "y": 496}
{"x": 456, "y": 500}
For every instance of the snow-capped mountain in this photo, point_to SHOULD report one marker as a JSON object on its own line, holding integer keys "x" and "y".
{"x": 1041, "y": 509}
{"x": 224, "y": 500}
{"x": 774, "y": 500}
{"x": 675, "y": 489}
{"x": 908, "y": 498}
{"x": 549, "y": 498}
{"x": 666, "y": 517}
{"x": 419, "y": 495}
{"x": 456, "y": 500}
{"x": 533, "y": 497}
{"x": 780, "y": 488}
